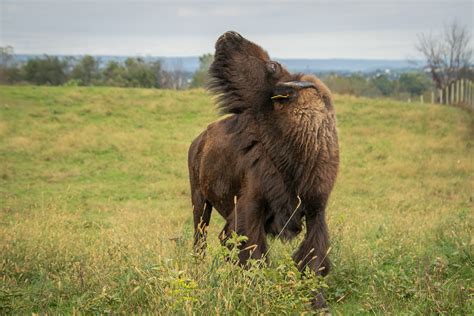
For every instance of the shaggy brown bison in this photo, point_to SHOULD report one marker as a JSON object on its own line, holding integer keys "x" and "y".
{"x": 270, "y": 164}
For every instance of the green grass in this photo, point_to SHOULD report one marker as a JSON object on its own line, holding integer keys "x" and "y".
{"x": 95, "y": 213}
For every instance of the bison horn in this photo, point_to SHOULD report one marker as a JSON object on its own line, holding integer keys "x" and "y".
{"x": 299, "y": 84}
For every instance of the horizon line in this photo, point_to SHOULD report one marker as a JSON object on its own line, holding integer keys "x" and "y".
{"x": 197, "y": 56}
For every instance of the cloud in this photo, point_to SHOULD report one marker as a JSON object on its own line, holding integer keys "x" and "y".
{"x": 375, "y": 29}
{"x": 214, "y": 11}
{"x": 185, "y": 12}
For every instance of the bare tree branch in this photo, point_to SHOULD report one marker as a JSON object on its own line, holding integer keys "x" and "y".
{"x": 448, "y": 55}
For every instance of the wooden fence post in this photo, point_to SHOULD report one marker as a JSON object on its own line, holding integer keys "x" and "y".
{"x": 421, "y": 98}
{"x": 440, "y": 92}
{"x": 446, "y": 95}
{"x": 456, "y": 87}
{"x": 468, "y": 92}
{"x": 471, "y": 94}
{"x": 432, "y": 97}
{"x": 448, "y": 100}
{"x": 462, "y": 90}
{"x": 468, "y": 100}
{"x": 455, "y": 96}
{"x": 452, "y": 93}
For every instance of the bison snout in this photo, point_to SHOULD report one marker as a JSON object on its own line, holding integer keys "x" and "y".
{"x": 232, "y": 34}
{"x": 229, "y": 37}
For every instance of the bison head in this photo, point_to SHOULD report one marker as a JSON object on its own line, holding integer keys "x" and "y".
{"x": 306, "y": 89}
{"x": 242, "y": 74}
{"x": 244, "y": 77}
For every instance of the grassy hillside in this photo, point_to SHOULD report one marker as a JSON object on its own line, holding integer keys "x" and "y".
{"x": 95, "y": 214}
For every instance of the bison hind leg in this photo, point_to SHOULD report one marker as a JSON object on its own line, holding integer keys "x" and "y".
{"x": 225, "y": 234}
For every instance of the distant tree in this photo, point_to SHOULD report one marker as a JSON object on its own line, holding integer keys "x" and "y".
{"x": 49, "y": 70}
{"x": 113, "y": 74}
{"x": 384, "y": 85}
{"x": 201, "y": 76}
{"x": 178, "y": 76}
{"x": 448, "y": 55}
{"x": 9, "y": 71}
{"x": 139, "y": 73}
{"x": 174, "y": 78}
{"x": 86, "y": 71}
{"x": 167, "y": 80}
{"x": 354, "y": 84}
{"x": 6, "y": 56}
{"x": 414, "y": 83}
{"x": 156, "y": 70}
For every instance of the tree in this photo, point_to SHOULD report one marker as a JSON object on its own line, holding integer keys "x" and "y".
{"x": 384, "y": 84}
{"x": 6, "y": 57}
{"x": 156, "y": 70}
{"x": 414, "y": 83}
{"x": 113, "y": 74}
{"x": 355, "y": 84}
{"x": 201, "y": 76}
{"x": 174, "y": 77}
{"x": 448, "y": 55}
{"x": 9, "y": 71}
{"x": 86, "y": 71}
{"x": 139, "y": 73}
{"x": 49, "y": 70}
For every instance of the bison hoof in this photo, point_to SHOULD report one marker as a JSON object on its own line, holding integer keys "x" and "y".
{"x": 319, "y": 302}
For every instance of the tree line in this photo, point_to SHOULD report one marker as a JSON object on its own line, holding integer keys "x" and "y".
{"x": 89, "y": 71}
{"x": 380, "y": 84}
{"x": 448, "y": 57}
{"x": 138, "y": 72}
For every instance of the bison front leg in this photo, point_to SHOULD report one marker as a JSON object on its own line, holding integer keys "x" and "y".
{"x": 313, "y": 250}
{"x": 247, "y": 220}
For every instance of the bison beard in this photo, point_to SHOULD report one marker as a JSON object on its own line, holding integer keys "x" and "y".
{"x": 278, "y": 148}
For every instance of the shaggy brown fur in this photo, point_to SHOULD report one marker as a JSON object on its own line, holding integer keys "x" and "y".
{"x": 279, "y": 144}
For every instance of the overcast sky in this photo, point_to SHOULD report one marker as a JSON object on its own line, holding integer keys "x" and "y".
{"x": 287, "y": 29}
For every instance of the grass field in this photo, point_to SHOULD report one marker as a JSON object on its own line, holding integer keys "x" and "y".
{"x": 95, "y": 215}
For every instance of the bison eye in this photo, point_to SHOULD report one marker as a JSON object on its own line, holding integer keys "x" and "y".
{"x": 273, "y": 67}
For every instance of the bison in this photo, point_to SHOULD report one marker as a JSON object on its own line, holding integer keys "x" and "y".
{"x": 272, "y": 163}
